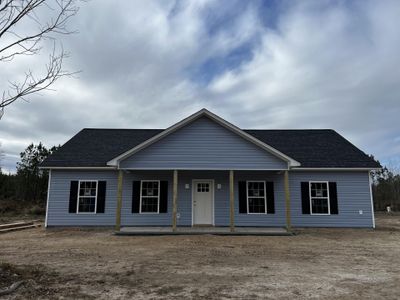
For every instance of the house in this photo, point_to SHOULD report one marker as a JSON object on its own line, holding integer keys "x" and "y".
{"x": 204, "y": 170}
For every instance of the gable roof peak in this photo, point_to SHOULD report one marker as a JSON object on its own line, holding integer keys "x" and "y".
{"x": 204, "y": 112}
{"x": 200, "y": 113}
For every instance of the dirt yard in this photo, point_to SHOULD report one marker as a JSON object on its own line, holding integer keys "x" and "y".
{"x": 94, "y": 264}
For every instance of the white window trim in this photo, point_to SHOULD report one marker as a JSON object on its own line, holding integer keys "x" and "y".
{"x": 158, "y": 198}
{"x": 95, "y": 203}
{"x": 328, "y": 198}
{"x": 265, "y": 197}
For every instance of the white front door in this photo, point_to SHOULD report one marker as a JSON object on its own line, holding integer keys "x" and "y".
{"x": 203, "y": 198}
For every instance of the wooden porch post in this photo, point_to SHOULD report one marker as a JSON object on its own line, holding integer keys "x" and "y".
{"x": 174, "y": 199}
{"x": 231, "y": 201}
{"x": 119, "y": 201}
{"x": 287, "y": 201}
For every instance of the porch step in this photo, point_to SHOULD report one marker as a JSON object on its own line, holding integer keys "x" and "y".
{"x": 143, "y": 231}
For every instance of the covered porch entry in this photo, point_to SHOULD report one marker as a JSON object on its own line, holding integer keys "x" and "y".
{"x": 202, "y": 202}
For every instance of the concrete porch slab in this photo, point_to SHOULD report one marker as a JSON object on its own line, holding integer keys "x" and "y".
{"x": 261, "y": 231}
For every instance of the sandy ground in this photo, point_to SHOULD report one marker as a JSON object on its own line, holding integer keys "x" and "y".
{"x": 94, "y": 264}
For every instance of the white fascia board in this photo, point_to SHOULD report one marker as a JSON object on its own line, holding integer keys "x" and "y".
{"x": 334, "y": 169}
{"x": 219, "y": 120}
{"x": 78, "y": 168}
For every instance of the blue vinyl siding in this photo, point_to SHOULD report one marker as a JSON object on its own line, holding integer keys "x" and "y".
{"x": 352, "y": 188}
{"x": 276, "y": 219}
{"x": 58, "y": 205}
{"x": 353, "y": 195}
{"x": 135, "y": 219}
{"x": 206, "y": 145}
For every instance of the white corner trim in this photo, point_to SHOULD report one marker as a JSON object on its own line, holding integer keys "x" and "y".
{"x": 47, "y": 201}
{"x": 372, "y": 200}
{"x": 204, "y": 112}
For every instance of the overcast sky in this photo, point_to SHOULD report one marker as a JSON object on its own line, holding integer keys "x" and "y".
{"x": 258, "y": 64}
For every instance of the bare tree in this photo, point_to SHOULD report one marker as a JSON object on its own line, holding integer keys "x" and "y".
{"x": 26, "y": 27}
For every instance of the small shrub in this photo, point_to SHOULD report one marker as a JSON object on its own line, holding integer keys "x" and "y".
{"x": 37, "y": 210}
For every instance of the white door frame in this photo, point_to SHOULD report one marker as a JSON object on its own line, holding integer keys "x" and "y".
{"x": 211, "y": 181}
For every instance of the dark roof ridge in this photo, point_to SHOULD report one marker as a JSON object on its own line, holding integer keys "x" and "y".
{"x": 293, "y": 129}
{"x": 246, "y": 129}
{"x": 91, "y": 128}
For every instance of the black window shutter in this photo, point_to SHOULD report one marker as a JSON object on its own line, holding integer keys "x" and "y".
{"x": 270, "y": 197}
{"x": 333, "y": 198}
{"x": 73, "y": 196}
{"x": 101, "y": 197}
{"x": 163, "y": 196}
{"x": 135, "y": 196}
{"x": 242, "y": 197}
{"x": 305, "y": 198}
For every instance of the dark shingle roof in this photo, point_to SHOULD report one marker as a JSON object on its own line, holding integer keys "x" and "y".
{"x": 316, "y": 148}
{"x": 312, "y": 148}
{"x": 95, "y": 147}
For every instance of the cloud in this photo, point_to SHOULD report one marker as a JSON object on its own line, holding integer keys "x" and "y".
{"x": 144, "y": 64}
{"x": 324, "y": 66}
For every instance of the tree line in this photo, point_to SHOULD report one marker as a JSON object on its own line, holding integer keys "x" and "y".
{"x": 386, "y": 189}
{"x": 27, "y": 188}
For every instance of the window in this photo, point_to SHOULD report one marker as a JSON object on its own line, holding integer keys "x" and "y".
{"x": 87, "y": 197}
{"x": 319, "y": 198}
{"x": 256, "y": 198}
{"x": 203, "y": 187}
{"x": 150, "y": 196}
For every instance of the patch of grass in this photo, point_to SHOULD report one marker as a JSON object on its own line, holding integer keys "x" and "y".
{"x": 14, "y": 210}
{"x": 10, "y": 273}
{"x": 38, "y": 282}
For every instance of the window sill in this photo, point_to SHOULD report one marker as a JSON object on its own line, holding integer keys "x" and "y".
{"x": 320, "y": 214}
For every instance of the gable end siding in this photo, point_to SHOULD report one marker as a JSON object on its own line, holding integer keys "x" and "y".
{"x": 203, "y": 144}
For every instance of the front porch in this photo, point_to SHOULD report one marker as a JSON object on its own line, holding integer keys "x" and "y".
{"x": 259, "y": 231}
{"x": 225, "y": 213}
